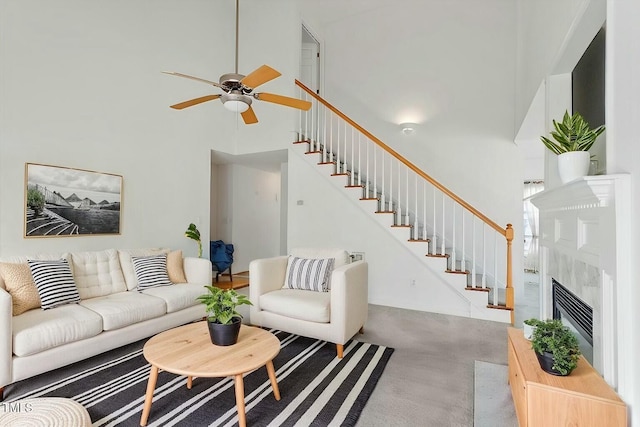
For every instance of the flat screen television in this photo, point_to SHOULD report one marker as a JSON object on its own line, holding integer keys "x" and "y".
{"x": 588, "y": 82}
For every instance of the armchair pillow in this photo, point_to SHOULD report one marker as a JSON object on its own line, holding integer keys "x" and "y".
{"x": 309, "y": 274}
{"x": 54, "y": 282}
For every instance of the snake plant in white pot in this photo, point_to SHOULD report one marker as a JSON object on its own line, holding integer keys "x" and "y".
{"x": 572, "y": 139}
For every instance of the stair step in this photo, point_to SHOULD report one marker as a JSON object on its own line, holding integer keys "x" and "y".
{"x": 457, "y": 271}
{"x": 499, "y": 307}
{"x": 419, "y": 240}
{"x": 471, "y": 288}
{"x": 313, "y": 152}
{"x": 354, "y": 186}
{"x": 438, "y": 255}
{"x": 327, "y": 163}
{"x": 381, "y": 212}
{"x": 340, "y": 174}
{"x": 302, "y": 142}
{"x": 401, "y": 226}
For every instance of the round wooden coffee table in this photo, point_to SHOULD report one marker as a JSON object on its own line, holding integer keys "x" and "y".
{"x": 187, "y": 350}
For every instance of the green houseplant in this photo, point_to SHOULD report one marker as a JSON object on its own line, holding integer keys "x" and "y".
{"x": 572, "y": 139}
{"x": 556, "y": 347}
{"x": 193, "y": 233}
{"x": 529, "y": 326}
{"x": 223, "y": 318}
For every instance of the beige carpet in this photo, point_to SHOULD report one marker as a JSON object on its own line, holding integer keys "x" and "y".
{"x": 493, "y": 405}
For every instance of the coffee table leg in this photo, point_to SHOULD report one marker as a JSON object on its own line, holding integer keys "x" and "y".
{"x": 151, "y": 386}
{"x": 242, "y": 417}
{"x": 272, "y": 377}
{"x": 189, "y": 382}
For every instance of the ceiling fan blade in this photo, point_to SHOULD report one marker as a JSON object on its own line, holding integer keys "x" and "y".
{"x": 283, "y": 100}
{"x": 260, "y": 76}
{"x": 249, "y": 116}
{"x": 173, "y": 73}
{"x": 195, "y": 101}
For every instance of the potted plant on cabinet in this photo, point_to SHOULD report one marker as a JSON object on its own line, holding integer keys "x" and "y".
{"x": 223, "y": 318}
{"x": 529, "y": 326}
{"x": 556, "y": 347}
{"x": 572, "y": 140}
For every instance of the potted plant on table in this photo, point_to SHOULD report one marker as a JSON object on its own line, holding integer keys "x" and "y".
{"x": 556, "y": 347}
{"x": 223, "y": 318}
{"x": 572, "y": 140}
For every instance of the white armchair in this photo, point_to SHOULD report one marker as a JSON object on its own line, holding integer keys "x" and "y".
{"x": 334, "y": 316}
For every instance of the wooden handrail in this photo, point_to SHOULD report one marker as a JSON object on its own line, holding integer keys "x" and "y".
{"x": 407, "y": 163}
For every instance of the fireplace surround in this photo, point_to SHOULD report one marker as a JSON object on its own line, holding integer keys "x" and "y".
{"x": 583, "y": 244}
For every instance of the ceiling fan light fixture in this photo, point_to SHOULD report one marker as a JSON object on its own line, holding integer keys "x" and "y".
{"x": 236, "y": 102}
{"x": 236, "y": 106}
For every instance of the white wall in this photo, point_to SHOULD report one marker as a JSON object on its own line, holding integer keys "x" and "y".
{"x": 623, "y": 156}
{"x": 81, "y": 87}
{"x": 448, "y": 66}
{"x": 255, "y": 222}
{"x": 327, "y": 218}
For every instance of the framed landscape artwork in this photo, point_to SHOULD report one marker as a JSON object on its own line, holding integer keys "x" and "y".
{"x": 61, "y": 201}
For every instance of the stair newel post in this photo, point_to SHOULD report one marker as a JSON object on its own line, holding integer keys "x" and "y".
{"x": 510, "y": 298}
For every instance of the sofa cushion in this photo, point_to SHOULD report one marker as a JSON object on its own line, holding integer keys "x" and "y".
{"x": 151, "y": 271}
{"x": 175, "y": 267}
{"x": 19, "y": 283}
{"x": 97, "y": 273}
{"x": 178, "y": 297}
{"x": 341, "y": 256}
{"x": 298, "y": 304}
{"x": 21, "y": 259}
{"x": 309, "y": 274}
{"x": 54, "y": 282}
{"x": 125, "y": 308}
{"x": 127, "y": 265}
{"x": 39, "y": 330}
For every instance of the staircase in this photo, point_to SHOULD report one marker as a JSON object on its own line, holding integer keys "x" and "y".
{"x": 468, "y": 251}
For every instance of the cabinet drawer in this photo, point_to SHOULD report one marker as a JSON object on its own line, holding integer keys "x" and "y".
{"x": 518, "y": 387}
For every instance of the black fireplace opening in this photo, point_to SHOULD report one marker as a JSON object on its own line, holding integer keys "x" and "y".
{"x": 567, "y": 305}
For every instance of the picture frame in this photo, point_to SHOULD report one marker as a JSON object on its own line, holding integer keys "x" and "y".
{"x": 68, "y": 202}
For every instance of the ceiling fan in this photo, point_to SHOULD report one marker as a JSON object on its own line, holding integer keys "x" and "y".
{"x": 238, "y": 89}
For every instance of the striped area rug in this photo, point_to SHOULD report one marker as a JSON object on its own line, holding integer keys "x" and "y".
{"x": 317, "y": 388}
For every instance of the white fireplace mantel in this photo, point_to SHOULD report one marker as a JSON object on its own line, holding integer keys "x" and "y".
{"x": 584, "y": 240}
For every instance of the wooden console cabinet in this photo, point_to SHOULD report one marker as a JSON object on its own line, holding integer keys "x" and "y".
{"x": 543, "y": 400}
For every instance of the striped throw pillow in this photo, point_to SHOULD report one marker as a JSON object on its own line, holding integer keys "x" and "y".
{"x": 309, "y": 274}
{"x": 54, "y": 282}
{"x": 151, "y": 271}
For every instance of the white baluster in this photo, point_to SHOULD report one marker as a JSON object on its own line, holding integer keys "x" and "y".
{"x": 473, "y": 251}
{"x": 495, "y": 268}
{"x": 443, "y": 225}
{"x": 382, "y": 194}
{"x": 408, "y": 222}
{"x": 484, "y": 256}
{"x": 463, "y": 263}
{"x": 375, "y": 172}
{"x": 399, "y": 217}
{"x": 434, "y": 244}
{"x": 415, "y": 222}
{"x": 453, "y": 237}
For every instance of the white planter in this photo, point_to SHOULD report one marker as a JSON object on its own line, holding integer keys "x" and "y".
{"x": 528, "y": 330}
{"x": 573, "y": 165}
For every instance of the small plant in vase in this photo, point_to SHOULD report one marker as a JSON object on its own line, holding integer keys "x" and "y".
{"x": 529, "y": 326}
{"x": 572, "y": 139}
{"x": 193, "y": 233}
{"x": 223, "y": 318}
{"x": 556, "y": 347}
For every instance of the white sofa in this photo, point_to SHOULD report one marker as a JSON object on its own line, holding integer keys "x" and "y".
{"x": 111, "y": 312}
{"x": 334, "y": 316}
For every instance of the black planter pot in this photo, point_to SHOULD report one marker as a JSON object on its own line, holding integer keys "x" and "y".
{"x": 224, "y": 334}
{"x": 546, "y": 363}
